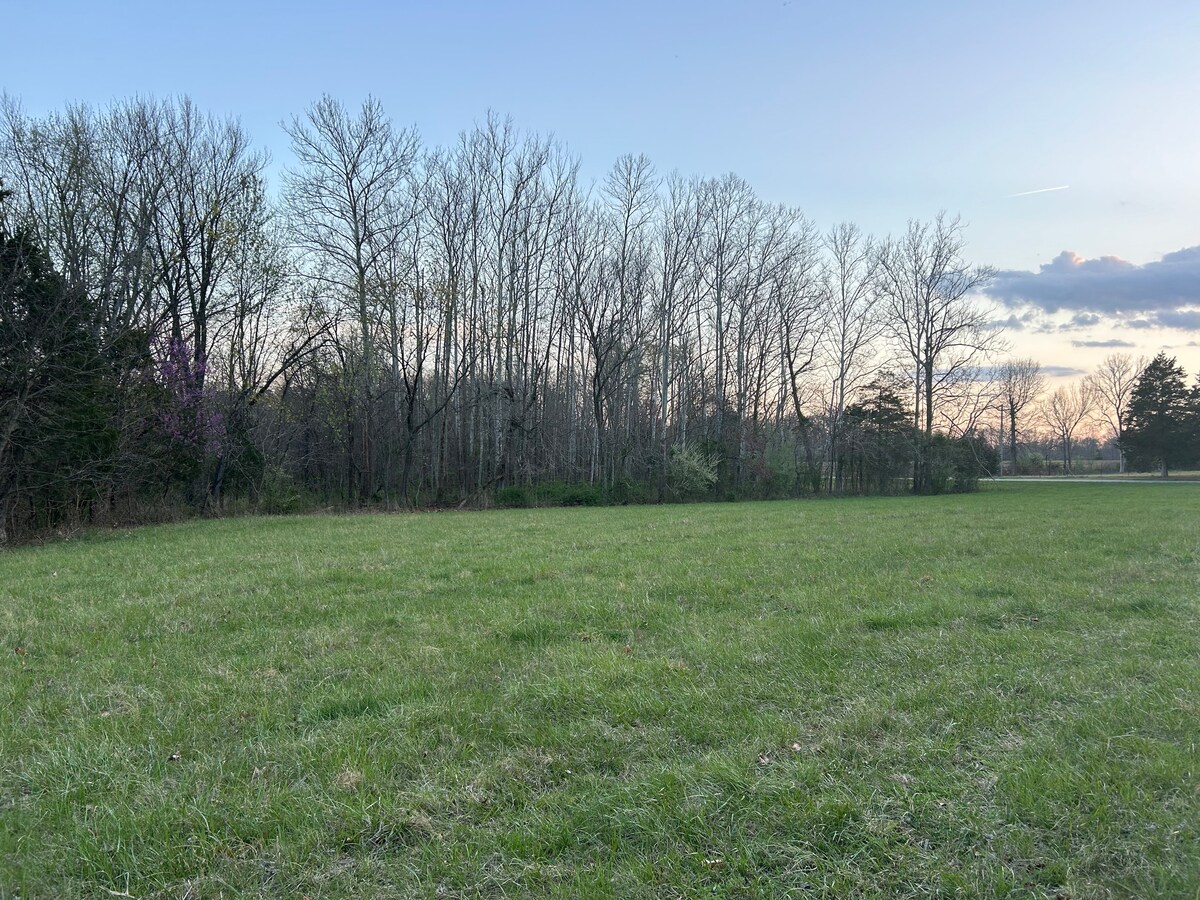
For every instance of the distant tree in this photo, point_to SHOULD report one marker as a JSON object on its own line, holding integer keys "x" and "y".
{"x": 1065, "y": 411}
{"x": 1113, "y": 383}
{"x": 1021, "y": 382}
{"x": 1193, "y": 428}
{"x": 1158, "y": 421}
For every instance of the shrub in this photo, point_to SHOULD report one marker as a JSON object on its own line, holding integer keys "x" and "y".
{"x": 957, "y": 464}
{"x": 514, "y": 496}
{"x": 582, "y": 495}
{"x": 279, "y": 494}
{"x": 691, "y": 471}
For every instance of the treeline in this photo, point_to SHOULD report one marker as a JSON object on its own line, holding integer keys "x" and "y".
{"x": 398, "y": 325}
{"x": 1142, "y": 408}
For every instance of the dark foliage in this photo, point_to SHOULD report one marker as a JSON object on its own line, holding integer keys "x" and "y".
{"x": 1160, "y": 427}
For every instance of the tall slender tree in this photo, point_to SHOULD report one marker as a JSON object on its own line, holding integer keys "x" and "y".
{"x": 345, "y": 205}
{"x": 935, "y": 319}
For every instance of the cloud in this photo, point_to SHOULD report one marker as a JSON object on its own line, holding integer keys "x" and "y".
{"x": 1183, "y": 319}
{"x": 1109, "y": 343}
{"x": 988, "y": 373}
{"x": 1012, "y": 323}
{"x": 1157, "y": 294}
{"x": 1062, "y": 371}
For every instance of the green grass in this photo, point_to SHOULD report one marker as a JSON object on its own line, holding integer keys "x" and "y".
{"x": 986, "y": 695}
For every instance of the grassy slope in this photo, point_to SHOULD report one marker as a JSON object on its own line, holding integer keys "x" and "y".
{"x": 994, "y": 694}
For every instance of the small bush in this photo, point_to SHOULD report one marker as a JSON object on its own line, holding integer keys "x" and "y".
{"x": 957, "y": 464}
{"x": 514, "y": 496}
{"x": 279, "y": 494}
{"x": 692, "y": 471}
{"x": 582, "y": 495}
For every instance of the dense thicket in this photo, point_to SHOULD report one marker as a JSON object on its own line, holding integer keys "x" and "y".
{"x": 400, "y": 324}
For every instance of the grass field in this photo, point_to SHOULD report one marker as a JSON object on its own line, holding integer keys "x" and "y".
{"x": 984, "y": 695}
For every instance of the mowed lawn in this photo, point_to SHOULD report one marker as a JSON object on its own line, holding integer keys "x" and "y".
{"x": 985, "y": 695}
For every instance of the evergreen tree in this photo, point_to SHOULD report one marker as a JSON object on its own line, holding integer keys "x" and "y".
{"x": 52, "y": 391}
{"x": 1158, "y": 422}
{"x": 879, "y": 439}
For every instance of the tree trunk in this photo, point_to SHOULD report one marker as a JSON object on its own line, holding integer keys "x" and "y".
{"x": 406, "y": 468}
{"x": 1012, "y": 435}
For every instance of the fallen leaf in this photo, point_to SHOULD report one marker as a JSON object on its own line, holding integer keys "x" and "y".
{"x": 174, "y": 757}
{"x": 20, "y": 651}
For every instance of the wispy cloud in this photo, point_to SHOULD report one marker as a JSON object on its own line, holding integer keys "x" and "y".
{"x": 1109, "y": 343}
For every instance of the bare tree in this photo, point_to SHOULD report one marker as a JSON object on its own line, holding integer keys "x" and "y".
{"x": 728, "y": 208}
{"x": 1021, "y": 382}
{"x": 1065, "y": 411}
{"x": 800, "y": 316}
{"x": 1113, "y": 383}
{"x": 935, "y": 318}
{"x": 852, "y": 327}
{"x": 411, "y": 323}
{"x": 213, "y": 200}
{"x": 678, "y": 236}
{"x": 344, "y": 201}
{"x": 87, "y": 185}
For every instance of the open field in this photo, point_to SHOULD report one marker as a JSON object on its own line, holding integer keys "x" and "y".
{"x": 984, "y": 695}
{"x": 1128, "y": 478}
{"x": 1186, "y": 476}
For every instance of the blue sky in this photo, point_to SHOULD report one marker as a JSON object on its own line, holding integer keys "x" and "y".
{"x": 874, "y": 112}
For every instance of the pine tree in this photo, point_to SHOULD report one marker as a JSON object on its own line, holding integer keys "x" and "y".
{"x": 52, "y": 393}
{"x": 1158, "y": 430}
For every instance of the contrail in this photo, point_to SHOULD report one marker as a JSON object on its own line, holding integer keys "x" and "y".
{"x": 1061, "y": 187}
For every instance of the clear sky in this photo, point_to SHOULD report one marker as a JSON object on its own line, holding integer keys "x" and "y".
{"x": 873, "y": 112}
